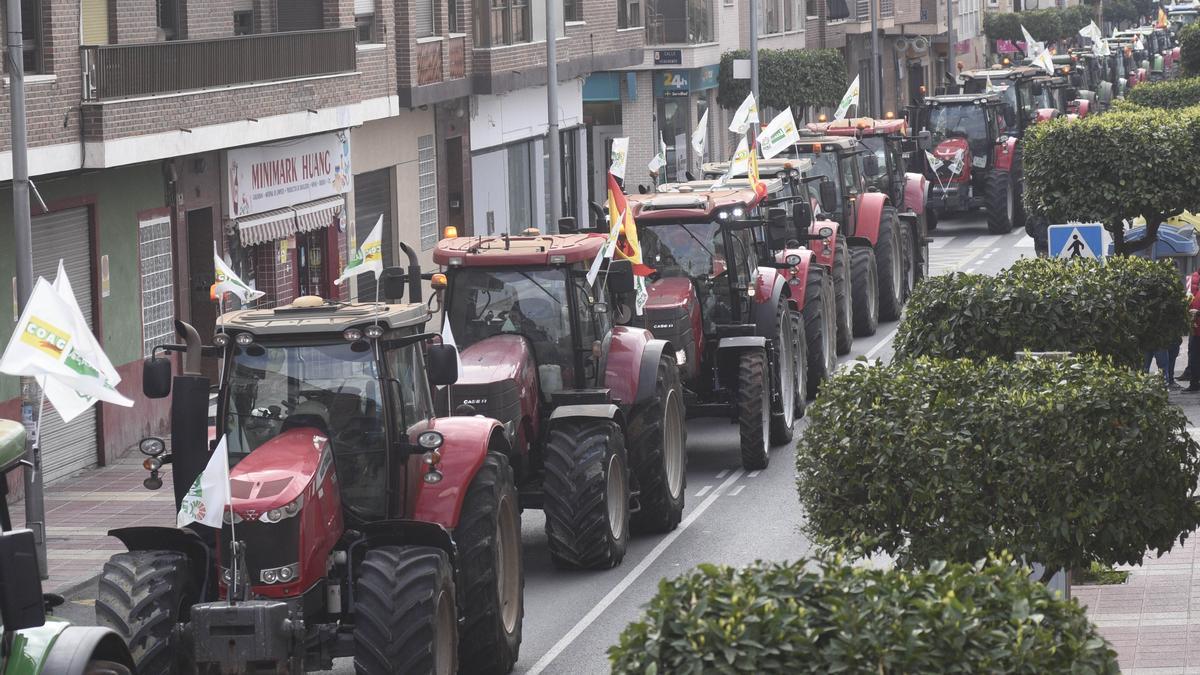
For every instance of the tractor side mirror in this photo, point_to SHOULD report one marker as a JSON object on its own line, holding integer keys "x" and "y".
{"x": 566, "y": 225}
{"x": 156, "y": 378}
{"x": 620, "y": 276}
{"x": 777, "y": 226}
{"x": 802, "y": 217}
{"x": 828, "y": 194}
{"x": 392, "y": 283}
{"x": 870, "y": 164}
{"x": 21, "y": 602}
{"x": 442, "y": 364}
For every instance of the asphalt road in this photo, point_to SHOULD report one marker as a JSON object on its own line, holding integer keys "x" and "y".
{"x": 732, "y": 516}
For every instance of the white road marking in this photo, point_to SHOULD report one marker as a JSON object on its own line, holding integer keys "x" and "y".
{"x": 737, "y": 490}
{"x": 940, "y": 242}
{"x": 703, "y": 490}
{"x": 985, "y": 240}
{"x": 1024, "y": 242}
{"x": 881, "y": 344}
{"x": 724, "y": 472}
{"x": 625, "y": 583}
{"x": 754, "y": 474}
{"x": 995, "y": 250}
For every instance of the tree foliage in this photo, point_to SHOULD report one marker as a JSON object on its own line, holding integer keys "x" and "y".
{"x": 1045, "y": 25}
{"x": 1062, "y": 462}
{"x": 1115, "y": 167}
{"x": 1189, "y": 50}
{"x": 786, "y": 77}
{"x": 1181, "y": 93}
{"x": 829, "y": 616}
{"x": 1121, "y": 309}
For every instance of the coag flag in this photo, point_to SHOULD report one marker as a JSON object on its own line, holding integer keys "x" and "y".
{"x": 1044, "y": 62}
{"x": 1032, "y": 47}
{"x": 208, "y": 496}
{"x": 849, "y": 99}
{"x": 1092, "y": 32}
{"x": 700, "y": 136}
{"x": 779, "y": 134}
{"x": 740, "y": 164}
{"x": 934, "y": 162}
{"x": 369, "y": 257}
{"x": 620, "y": 151}
{"x": 227, "y": 281}
{"x": 660, "y": 160}
{"x": 745, "y": 116}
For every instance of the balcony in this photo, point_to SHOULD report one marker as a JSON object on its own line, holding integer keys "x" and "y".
{"x": 148, "y": 69}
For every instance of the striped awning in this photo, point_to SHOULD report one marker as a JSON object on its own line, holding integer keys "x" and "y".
{"x": 319, "y": 214}
{"x": 269, "y": 226}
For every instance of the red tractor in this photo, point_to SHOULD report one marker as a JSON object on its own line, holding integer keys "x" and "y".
{"x": 592, "y": 410}
{"x": 752, "y": 319}
{"x": 361, "y": 524}
{"x": 974, "y": 161}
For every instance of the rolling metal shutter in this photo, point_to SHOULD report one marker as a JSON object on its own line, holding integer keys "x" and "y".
{"x": 364, "y": 7}
{"x": 66, "y": 234}
{"x": 373, "y": 197}
{"x": 95, "y": 22}
{"x": 299, "y": 15}
{"x": 424, "y": 12}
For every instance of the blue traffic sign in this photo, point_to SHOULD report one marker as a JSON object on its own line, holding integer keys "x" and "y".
{"x": 1076, "y": 240}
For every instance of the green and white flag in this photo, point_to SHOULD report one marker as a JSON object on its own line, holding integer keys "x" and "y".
{"x": 620, "y": 153}
{"x": 779, "y": 135}
{"x": 1032, "y": 47}
{"x": 227, "y": 281}
{"x": 52, "y": 341}
{"x": 700, "y": 136}
{"x": 747, "y": 113}
{"x": 208, "y": 496}
{"x": 849, "y": 99}
{"x": 1044, "y": 62}
{"x": 660, "y": 160}
{"x": 369, "y": 257}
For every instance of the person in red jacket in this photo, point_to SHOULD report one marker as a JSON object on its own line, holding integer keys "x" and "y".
{"x": 1193, "y": 287}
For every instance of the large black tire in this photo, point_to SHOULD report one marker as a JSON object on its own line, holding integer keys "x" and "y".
{"x": 404, "y": 612}
{"x": 864, "y": 290}
{"x": 820, "y": 328}
{"x": 658, "y": 437}
{"x": 909, "y": 272}
{"x": 101, "y": 667}
{"x": 1000, "y": 203}
{"x": 931, "y": 219}
{"x": 783, "y": 407}
{"x": 921, "y": 249}
{"x": 754, "y": 410}
{"x": 1016, "y": 185}
{"x": 841, "y": 295}
{"x": 142, "y": 595}
{"x": 889, "y": 263}
{"x": 583, "y": 530}
{"x": 800, "y": 361}
{"x": 491, "y": 575}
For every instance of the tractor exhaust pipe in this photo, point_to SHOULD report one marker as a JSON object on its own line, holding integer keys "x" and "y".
{"x": 414, "y": 274}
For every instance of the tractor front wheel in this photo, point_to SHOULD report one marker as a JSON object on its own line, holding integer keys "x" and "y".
{"x": 659, "y": 437}
{"x": 1000, "y": 203}
{"x": 841, "y": 293}
{"x": 800, "y": 363}
{"x": 753, "y": 410}
{"x": 586, "y": 494}
{"x": 404, "y": 612}
{"x": 865, "y": 290}
{"x": 142, "y": 595}
{"x": 783, "y": 409}
{"x": 492, "y": 579}
{"x": 820, "y": 328}
{"x": 889, "y": 263}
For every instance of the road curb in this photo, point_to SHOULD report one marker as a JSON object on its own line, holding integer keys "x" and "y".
{"x": 73, "y": 589}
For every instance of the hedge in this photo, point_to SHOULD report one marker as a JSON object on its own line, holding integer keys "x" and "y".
{"x": 1170, "y": 94}
{"x": 827, "y": 616}
{"x": 1045, "y": 25}
{"x": 1060, "y": 462}
{"x": 1189, "y": 50}
{"x": 1121, "y": 308}
{"x": 787, "y": 77}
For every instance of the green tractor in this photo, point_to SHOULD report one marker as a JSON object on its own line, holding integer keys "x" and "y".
{"x": 35, "y": 643}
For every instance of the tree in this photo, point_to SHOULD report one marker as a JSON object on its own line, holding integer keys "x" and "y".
{"x": 786, "y": 77}
{"x": 1189, "y": 50}
{"x": 1137, "y": 163}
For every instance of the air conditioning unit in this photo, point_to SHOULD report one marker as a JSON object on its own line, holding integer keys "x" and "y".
{"x": 920, "y": 44}
{"x": 901, "y": 44}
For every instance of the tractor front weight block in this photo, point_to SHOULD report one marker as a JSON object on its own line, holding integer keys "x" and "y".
{"x": 227, "y": 637}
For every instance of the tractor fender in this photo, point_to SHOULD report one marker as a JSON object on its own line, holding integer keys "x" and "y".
{"x": 870, "y": 215}
{"x": 466, "y": 442}
{"x": 180, "y": 539}
{"x": 406, "y": 532}
{"x": 622, "y": 362}
{"x": 77, "y": 646}
{"x": 1046, "y": 114}
{"x": 605, "y": 411}
{"x": 797, "y": 275}
{"x": 826, "y": 251}
{"x": 772, "y": 289}
{"x": 915, "y": 185}
{"x": 648, "y": 371}
{"x": 1005, "y": 153}
{"x": 1083, "y": 107}
{"x": 729, "y": 350}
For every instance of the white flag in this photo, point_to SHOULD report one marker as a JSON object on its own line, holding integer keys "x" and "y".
{"x": 746, "y": 113}
{"x": 934, "y": 162}
{"x": 956, "y": 166}
{"x": 620, "y": 151}
{"x": 849, "y": 99}
{"x": 369, "y": 257}
{"x": 779, "y": 135}
{"x": 1139, "y": 45}
{"x": 227, "y": 281}
{"x": 1092, "y": 32}
{"x": 700, "y": 136}
{"x": 1032, "y": 47}
{"x": 660, "y": 160}
{"x": 990, "y": 88}
{"x": 448, "y": 339}
{"x": 49, "y": 341}
{"x": 1044, "y": 62}
{"x": 740, "y": 164}
{"x": 208, "y": 496}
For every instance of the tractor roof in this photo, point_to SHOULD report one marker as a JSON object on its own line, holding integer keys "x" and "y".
{"x": 526, "y": 251}
{"x": 963, "y": 99}
{"x": 769, "y": 171}
{"x": 694, "y": 199}
{"x": 1002, "y": 73}
{"x": 859, "y": 127}
{"x": 310, "y": 315}
{"x": 809, "y": 141}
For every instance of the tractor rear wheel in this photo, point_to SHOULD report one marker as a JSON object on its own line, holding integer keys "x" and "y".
{"x": 783, "y": 407}
{"x": 753, "y": 410}
{"x": 105, "y": 668}
{"x": 841, "y": 288}
{"x": 492, "y": 579}
{"x": 404, "y": 612}
{"x": 658, "y": 436}
{"x": 142, "y": 595}
{"x": 921, "y": 248}
{"x": 586, "y": 494}
{"x": 800, "y": 363}
{"x": 864, "y": 291}
{"x": 820, "y": 328}
{"x": 889, "y": 262}
{"x": 1000, "y": 203}
{"x": 908, "y": 272}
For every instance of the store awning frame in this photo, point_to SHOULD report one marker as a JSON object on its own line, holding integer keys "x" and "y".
{"x": 269, "y": 226}
{"x": 319, "y": 214}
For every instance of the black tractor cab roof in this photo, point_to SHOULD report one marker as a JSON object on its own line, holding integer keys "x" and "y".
{"x": 310, "y": 315}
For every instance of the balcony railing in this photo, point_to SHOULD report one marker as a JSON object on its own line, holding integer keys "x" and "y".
{"x": 124, "y": 71}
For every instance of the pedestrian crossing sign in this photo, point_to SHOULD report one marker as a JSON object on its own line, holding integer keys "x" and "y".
{"x": 1076, "y": 240}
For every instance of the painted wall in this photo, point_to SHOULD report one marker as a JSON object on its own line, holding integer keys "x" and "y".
{"x": 506, "y": 118}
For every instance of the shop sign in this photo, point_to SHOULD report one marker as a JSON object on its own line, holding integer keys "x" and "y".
{"x": 668, "y": 57}
{"x": 269, "y": 177}
{"x": 670, "y": 83}
{"x": 705, "y": 78}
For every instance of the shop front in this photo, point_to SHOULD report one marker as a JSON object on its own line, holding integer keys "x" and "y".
{"x": 681, "y": 97}
{"x": 286, "y": 215}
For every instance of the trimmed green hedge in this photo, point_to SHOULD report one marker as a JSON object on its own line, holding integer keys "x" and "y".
{"x": 1189, "y": 50}
{"x": 830, "y": 617}
{"x": 1045, "y": 25}
{"x": 1121, "y": 308}
{"x": 787, "y": 77}
{"x": 1182, "y": 93}
{"x": 1063, "y": 462}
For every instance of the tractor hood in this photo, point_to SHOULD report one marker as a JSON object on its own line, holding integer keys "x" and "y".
{"x": 493, "y": 359}
{"x": 670, "y": 293}
{"x": 278, "y": 471}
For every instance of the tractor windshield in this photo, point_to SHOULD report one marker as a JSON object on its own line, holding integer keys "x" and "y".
{"x": 718, "y": 260}
{"x": 820, "y": 164}
{"x": 962, "y": 120}
{"x": 881, "y": 179}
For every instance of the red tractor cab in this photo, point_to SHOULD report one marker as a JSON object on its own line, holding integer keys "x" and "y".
{"x": 592, "y": 409}
{"x": 1014, "y": 85}
{"x": 745, "y": 313}
{"x": 361, "y": 524}
{"x": 973, "y": 161}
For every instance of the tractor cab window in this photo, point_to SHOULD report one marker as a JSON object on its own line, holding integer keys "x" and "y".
{"x": 694, "y": 250}
{"x": 589, "y": 330}
{"x": 965, "y": 120}
{"x": 824, "y": 164}
{"x": 881, "y": 178}
{"x": 414, "y": 404}
{"x": 851, "y": 183}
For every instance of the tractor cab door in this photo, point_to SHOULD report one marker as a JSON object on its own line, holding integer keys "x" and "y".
{"x": 743, "y": 266}
{"x": 852, "y": 185}
{"x": 409, "y": 408}
{"x": 588, "y": 331}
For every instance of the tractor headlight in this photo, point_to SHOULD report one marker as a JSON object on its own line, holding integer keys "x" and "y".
{"x": 794, "y": 281}
{"x": 244, "y": 339}
{"x": 280, "y": 575}
{"x": 352, "y": 334}
{"x": 738, "y": 212}
{"x": 825, "y": 231}
{"x": 230, "y": 516}
{"x": 374, "y": 331}
{"x": 430, "y": 440}
{"x": 283, "y": 512}
{"x": 221, "y": 340}
{"x": 792, "y": 259}
{"x": 152, "y": 447}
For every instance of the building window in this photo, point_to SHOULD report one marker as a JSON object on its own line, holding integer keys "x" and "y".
{"x": 789, "y": 15}
{"x": 679, "y": 21}
{"x": 243, "y": 23}
{"x": 365, "y": 25}
{"x": 158, "y": 293}
{"x": 504, "y": 22}
{"x": 568, "y": 170}
{"x": 810, "y": 8}
{"x": 170, "y": 20}
{"x": 629, "y": 13}
{"x": 769, "y": 17}
{"x": 31, "y": 35}
{"x": 424, "y": 15}
{"x": 427, "y": 191}
{"x": 573, "y": 10}
{"x": 453, "y": 18}
{"x": 520, "y": 187}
